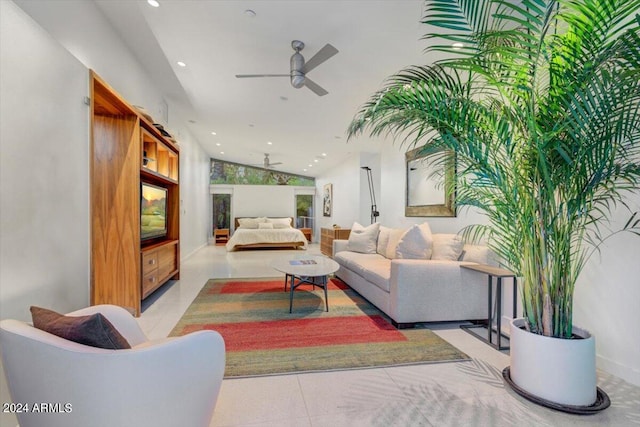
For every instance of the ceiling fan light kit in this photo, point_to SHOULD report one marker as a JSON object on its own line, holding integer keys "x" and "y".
{"x": 299, "y": 68}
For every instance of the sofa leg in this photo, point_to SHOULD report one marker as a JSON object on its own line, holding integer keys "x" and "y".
{"x": 403, "y": 325}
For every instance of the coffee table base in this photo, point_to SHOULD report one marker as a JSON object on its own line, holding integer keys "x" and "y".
{"x": 305, "y": 280}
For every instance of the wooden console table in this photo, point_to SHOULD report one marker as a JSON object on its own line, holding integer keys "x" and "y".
{"x": 499, "y": 274}
{"x": 328, "y": 235}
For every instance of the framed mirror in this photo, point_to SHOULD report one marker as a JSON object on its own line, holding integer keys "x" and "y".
{"x": 428, "y": 176}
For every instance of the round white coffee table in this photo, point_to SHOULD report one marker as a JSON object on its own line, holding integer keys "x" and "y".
{"x": 306, "y": 269}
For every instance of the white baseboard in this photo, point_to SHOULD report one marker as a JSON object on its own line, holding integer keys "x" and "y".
{"x": 184, "y": 258}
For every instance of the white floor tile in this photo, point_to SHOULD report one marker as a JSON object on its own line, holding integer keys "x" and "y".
{"x": 259, "y": 400}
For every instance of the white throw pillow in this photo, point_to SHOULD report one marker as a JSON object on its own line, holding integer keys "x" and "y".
{"x": 383, "y": 240}
{"x": 394, "y": 238}
{"x": 280, "y": 222}
{"x": 476, "y": 253}
{"x": 447, "y": 247}
{"x": 363, "y": 239}
{"x": 416, "y": 243}
{"x": 265, "y": 226}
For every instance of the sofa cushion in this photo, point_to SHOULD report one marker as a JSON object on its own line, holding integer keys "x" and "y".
{"x": 363, "y": 239}
{"x": 394, "y": 238}
{"x": 378, "y": 271}
{"x": 447, "y": 247}
{"x": 94, "y": 330}
{"x": 416, "y": 243}
{"x": 374, "y": 268}
{"x": 476, "y": 253}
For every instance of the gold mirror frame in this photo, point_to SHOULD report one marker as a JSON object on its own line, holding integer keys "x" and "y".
{"x": 445, "y": 209}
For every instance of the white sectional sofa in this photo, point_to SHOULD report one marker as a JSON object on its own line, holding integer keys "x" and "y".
{"x": 418, "y": 289}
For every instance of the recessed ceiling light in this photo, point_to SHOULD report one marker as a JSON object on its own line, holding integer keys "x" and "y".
{"x": 324, "y": 154}
{"x": 182, "y": 64}
{"x": 213, "y": 133}
{"x": 250, "y": 13}
{"x": 310, "y": 166}
{"x": 457, "y": 45}
{"x": 269, "y": 142}
{"x": 222, "y": 152}
{"x": 316, "y": 160}
{"x": 304, "y": 170}
{"x": 218, "y": 144}
{"x": 153, "y": 3}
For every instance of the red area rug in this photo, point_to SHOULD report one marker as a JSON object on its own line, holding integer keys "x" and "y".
{"x": 262, "y": 337}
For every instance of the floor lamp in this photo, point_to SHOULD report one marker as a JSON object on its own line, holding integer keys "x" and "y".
{"x": 374, "y": 209}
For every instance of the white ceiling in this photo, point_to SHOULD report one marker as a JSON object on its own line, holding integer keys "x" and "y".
{"x": 217, "y": 40}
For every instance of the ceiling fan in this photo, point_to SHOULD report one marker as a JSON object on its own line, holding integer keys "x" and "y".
{"x": 267, "y": 164}
{"x": 300, "y": 68}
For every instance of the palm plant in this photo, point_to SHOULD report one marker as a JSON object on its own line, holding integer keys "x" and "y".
{"x": 539, "y": 102}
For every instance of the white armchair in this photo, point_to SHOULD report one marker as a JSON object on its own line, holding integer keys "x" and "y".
{"x": 167, "y": 382}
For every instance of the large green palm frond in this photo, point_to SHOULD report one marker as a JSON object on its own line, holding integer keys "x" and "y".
{"x": 540, "y": 102}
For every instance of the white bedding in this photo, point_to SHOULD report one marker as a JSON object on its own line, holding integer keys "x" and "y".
{"x": 243, "y": 236}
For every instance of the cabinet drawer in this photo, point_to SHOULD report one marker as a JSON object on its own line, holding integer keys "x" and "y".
{"x": 149, "y": 262}
{"x": 149, "y": 283}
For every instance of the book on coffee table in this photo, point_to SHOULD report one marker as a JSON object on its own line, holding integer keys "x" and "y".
{"x": 302, "y": 262}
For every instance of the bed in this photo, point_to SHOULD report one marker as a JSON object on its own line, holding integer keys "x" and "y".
{"x": 262, "y": 233}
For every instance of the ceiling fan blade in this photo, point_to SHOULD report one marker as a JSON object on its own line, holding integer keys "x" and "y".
{"x": 275, "y": 163}
{"x": 243, "y": 76}
{"x": 323, "y": 54}
{"x": 315, "y": 88}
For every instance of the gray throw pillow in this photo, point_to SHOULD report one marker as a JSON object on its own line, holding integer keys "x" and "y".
{"x": 93, "y": 330}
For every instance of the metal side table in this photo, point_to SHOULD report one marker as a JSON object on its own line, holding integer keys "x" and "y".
{"x": 499, "y": 274}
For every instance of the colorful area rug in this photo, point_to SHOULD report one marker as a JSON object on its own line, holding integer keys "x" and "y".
{"x": 263, "y": 338}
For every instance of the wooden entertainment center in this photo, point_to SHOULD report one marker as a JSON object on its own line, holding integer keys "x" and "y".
{"x": 126, "y": 151}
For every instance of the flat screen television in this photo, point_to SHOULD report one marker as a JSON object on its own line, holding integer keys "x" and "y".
{"x": 153, "y": 211}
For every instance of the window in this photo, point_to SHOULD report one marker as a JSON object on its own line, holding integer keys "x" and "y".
{"x": 304, "y": 211}
{"x": 221, "y": 211}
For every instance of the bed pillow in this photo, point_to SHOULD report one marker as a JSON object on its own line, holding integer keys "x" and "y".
{"x": 265, "y": 226}
{"x": 416, "y": 243}
{"x": 93, "y": 330}
{"x": 363, "y": 239}
{"x": 280, "y": 222}
{"x": 249, "y": 223}
{"x": 447, "y": 247}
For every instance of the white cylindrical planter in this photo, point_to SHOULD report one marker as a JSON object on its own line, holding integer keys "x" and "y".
{"x": 555, "y": 369}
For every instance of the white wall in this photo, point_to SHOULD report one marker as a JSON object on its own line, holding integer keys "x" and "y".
{"x": 607, "y": 300}
{"x": 44, "y": 174}
{"x": 82, "y": 29}
{"x": 347, "y": 195}
{"x": 261, "y": 200}
{"x": 44, "y": 144}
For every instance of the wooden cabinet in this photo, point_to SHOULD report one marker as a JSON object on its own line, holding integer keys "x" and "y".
{"x": 328, "y": 235}
{"x": 121, "y": 140}
{"x": 307, "y": 233}
{"x": 159, "y": 263}
{"x": 221, "y": 236}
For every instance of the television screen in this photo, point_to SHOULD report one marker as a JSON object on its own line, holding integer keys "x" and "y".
{"x": 153, "y": 212}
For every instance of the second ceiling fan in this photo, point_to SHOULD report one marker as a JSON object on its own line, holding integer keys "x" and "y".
{"x": 300, "y": 68}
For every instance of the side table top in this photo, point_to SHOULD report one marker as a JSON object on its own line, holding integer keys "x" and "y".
{"x": 489, "y": 269}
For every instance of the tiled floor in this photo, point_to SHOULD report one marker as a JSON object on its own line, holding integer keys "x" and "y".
{"x": 444, "y": 394}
